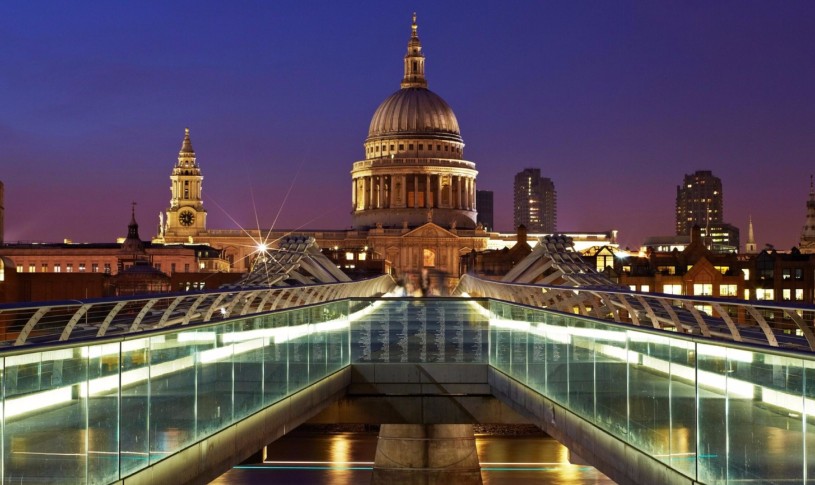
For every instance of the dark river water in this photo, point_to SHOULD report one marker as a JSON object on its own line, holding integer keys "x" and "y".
{"x": 309, "y": 457}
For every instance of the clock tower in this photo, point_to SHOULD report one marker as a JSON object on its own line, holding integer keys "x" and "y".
{"x": 186, "y": 215}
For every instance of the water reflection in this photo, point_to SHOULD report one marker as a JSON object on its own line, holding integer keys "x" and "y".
{"x": 308, "y": 457}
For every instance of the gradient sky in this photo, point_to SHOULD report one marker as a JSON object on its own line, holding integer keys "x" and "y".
{"x": 615, "y": 101}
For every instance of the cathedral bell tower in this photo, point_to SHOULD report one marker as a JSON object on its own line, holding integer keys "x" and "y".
{"x": 186, "y": 215}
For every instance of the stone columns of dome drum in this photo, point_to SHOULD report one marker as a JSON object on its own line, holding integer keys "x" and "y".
{"x": 428, "y": 200}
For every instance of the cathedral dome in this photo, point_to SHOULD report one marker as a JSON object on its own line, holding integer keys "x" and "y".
{"x": 414, "y": 111}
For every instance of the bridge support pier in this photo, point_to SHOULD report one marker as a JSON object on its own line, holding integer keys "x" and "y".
{"x": 426, "y": 454}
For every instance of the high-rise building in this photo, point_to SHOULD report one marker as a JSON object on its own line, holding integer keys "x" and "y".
{"x": 698, "y": 202}
{"x": 535, "y": 202}
{"x": 483, "y": 201}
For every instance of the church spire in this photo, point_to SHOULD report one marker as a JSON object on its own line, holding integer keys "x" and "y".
{"x": 414, "y": 60}
{"x": 750, "y": 246}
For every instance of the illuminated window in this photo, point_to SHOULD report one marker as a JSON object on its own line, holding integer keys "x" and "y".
{"x": 632, "y": 287}
{"x": 799, "y": 294}
{"x": 645, "y": 288}
{"x": 81, "y": 267}
{"x": 722, "y": 269}
{"x": 728, "y": 290}
{"x": 95, "y": 267}
{"x": 57, "y": 268}
{"x": 746, "y": 294}
{"x": 107, "y": 268}
{"x": 32, "y": 268}
{"x": 765, "y": 294}
{"x": 2, "y": 270}
{"x": 667, "y": 269}
{"x": 19, "y": 268}
{"x": 200, "y": 266}
{"x": 786, "y": 274}
{"x": 672, "y": 289}
{"x": 44, "y": 267}
{"x": 786, "y": 294}
{"x": 746, "y": 274}
{"x": 702, "y": 289}
{"x": 69, "y": 268}
{"x": 349, "y": 256}
{"x": 362, "y": 256}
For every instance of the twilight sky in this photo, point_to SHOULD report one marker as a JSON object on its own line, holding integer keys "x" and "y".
{"x": 615, "y": 101}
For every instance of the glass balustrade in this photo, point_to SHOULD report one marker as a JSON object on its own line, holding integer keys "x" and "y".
{"x": 101, "y": 410}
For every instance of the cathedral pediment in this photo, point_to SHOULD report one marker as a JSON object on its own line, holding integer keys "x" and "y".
{"x": 429, "y": 230}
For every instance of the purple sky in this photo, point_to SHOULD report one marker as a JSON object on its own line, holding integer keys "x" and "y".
{"x": 615, "y": 101}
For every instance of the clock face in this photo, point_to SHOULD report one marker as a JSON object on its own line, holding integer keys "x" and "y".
{"x": 186, "y": 218}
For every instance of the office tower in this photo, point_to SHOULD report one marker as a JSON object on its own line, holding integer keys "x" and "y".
{"x": 535, "y": 202}
{"x": 698, "y": 202}
{"x": 483, "y": 203}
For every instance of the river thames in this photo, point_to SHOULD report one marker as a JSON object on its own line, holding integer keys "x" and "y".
{"x": 315, "y": 457}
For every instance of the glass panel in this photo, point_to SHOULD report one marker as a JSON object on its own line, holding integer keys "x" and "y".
{"x": 764, "y": 416}
{"x": 248, "y": 365}
{"x": 809, "y": 419}
{"x": 611, "y": 379}
{"x": 649, "y": 393}
{"x": 173, "y": 390}
{"x": 298, "y": 350}
{"x": 213, "y": 378}
{"x": 536, "y": 355}
{"x": 135, "y": 382}
{"x": 46, "y": 446}
{"x": 581, "y": 367}
{"x": 275, "y": 357}
{"x": 712, "y": 413}
{"x": 683, "y": 406}
{"x": 103, "y": 413}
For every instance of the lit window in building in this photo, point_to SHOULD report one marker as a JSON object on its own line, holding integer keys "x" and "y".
{"x": 799, "y": 294}
{"x": 786, "y": 294}
{"x": 107, "y": 268}
{"x": 362, "y": 256}
{"x": 728, "y": 290}
{"x": 95, "y": 267}
{"x": 57, "y": 268}
{"x": 349, "y": 256}
{"x": 667, "y": 269}
{"x": 69, "y": 268}
{"x": 81, "y": 267}
{"x": 746, "y": 294}
{"x": 2, "y": 270}
{"x": 702, "y": 289}
{"x": 32, "y": 268}
{"x": 645, "y": 288}
{"x": 786, "y": 274}
{"x": 722, "y": 269}
{"x": 765, "y": 294}
{"x": 200, "y": 266}
{"x": 19, "y": 268}
{"x": 429, "y": 258}
{"x": 44, "y": 267}
{"x": 707, "y": 309}
{"x": 672, "y": 289}
{"x": 746, "y": 274}
{"x": 632, "y": 287}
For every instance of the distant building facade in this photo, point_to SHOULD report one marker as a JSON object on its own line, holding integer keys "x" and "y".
{"x": 698, "y": 202}
{"x": 484, "y": 204}
{"x": 535, "y": 202}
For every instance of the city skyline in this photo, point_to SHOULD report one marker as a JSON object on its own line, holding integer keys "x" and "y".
{"x": 615, "y": 103}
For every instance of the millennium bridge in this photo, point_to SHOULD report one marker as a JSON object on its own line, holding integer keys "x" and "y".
{"x": 179, "y": 388}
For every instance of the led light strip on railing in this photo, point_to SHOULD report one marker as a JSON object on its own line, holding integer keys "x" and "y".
{"x": 238, "y": 344}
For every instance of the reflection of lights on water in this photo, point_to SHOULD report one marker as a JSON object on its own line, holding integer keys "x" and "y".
{"x": 339, "y": 448}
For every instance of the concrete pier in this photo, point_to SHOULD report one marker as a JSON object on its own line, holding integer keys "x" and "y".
{"x": 418, "y": 454}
